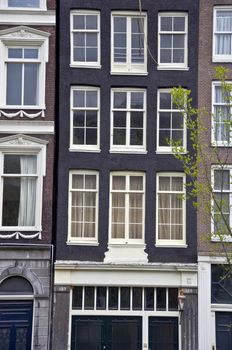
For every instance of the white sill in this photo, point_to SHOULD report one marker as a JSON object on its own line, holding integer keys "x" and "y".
{"x": 84, "y": 150}
{"x": 171, "y": 246}
{"x": 126, "y": 244}
{"x": 172, "y": 68}
{"x": 73, "y": 65}
{"x": 226, "y": 60}
{"x": 127, "y": 151}
{"x": 27, "y": 9}
{"x": 95, "y": 244}
{"x": 225, "y": 239}
{"x": 24, "y": 229}
{"x": 226, "y": 145}
{"x": 169, "y": 152}
{"x": 128, "y": 73}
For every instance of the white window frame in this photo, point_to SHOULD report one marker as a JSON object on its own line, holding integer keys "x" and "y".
{"x": 83, "y": 240}
{"x": 25, "y": 145}
{"x": 42, "y": 6}
{"x": 24, "y": 37}
{"x": 128, "y": 148}
{"x": 126, "y": 241}
{"x": 213, "y": 141}
{"x": 168, "y": 149}
{"x": 87, "y": 64}
{"x": 216, "y": 238}
{"x": 220, "y": 58}
{"x": 166, "y": 242}
{"x": 173, "y": 66}
{"x": 84, "y": 147}
{"x": 128, "y": 68}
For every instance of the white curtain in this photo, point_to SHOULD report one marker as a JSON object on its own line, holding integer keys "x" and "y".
{"x": 118, "y": 207}
{"x": 224, "y": 25}
{"x": 221, "y": 116}
{"x": 27, "y": 191}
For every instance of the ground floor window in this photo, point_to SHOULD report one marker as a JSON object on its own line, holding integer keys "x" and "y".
{"x": 224, "y": 330}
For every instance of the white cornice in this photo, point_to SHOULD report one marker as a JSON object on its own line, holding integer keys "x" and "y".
{"x": 26, "y": 127}
{"x": 16, "y": 17}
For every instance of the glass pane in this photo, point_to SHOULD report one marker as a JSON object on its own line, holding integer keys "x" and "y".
{"x": 89, "y": 298}
{"x": 149, "y": 299}
{"x": 31, "y": 71}
{"x": 79, "y": 55}
{"x": 178, "y": 41}
{"x": 79, "y": 39}
{"x": 137, "y": 298}
{"x": 136, "y": 120}
{"x": 78, "y": 136}
{"x": 135, "y": 231}
{"x": 126, "y": 334}
{"x": 101, "y": 298}
{"x": 91, "y": 136}
{"x": 137, "y": 100}
{"x": 120, "y": 40}
{"x": 164, "y": 183}
{"x": 136, "y": 137}
{"x": 79, "y": 118}
{"x": 91, "y": 21}
{"x": 79, "y": 21}
{"x": 165, "y": 56}
{"x": 172, "y": 299}
{"x": 120, "y": 55}
{"x": 14, "y": 84}
{"x": 221, "y": 284}
{"x": 118, "y": 200}
{"x": 91, "y": 40}
{"x": 136, "y": 183}
{"x": 161, "y": 299}
{"x": 90, "y": 182}
{"x": 31, "y": 53}
{"x": 179, "y": 24}
{"x": 119, "y": 99}
{"x": 77, "y": 181}
{"x": 11, "y": 202}
{"x": 166, "y": 24}
{"x": 78, "y": 98}
{"x": 91, "y": 119}
{"x": 23, "y": 3}
{"x": 113, "y": 298}
{"x": 91, "y": 99}
{"x": 119, "y": 182}
{"x": 120, "y": 119}
{"x": 137, "y": 24}
{"x": 120, "y": 24}
{"x": 178, "y": 56}
{"x": 77, "y": 298}
{"x": 177, "y": 183}
{"x": 166, "y": 41}
{"x": 118, "y": 231}
{"x": 87, "y": 333}
{"x": 222, "y": 180}
{"x": 125, "y": 298}
{"x": 119, "y": 137}
{"x": 15, "y": 53}
{"x": 165, "y": 100}
{"x": 91, "y": 55}
{"x": 20, "y": 164}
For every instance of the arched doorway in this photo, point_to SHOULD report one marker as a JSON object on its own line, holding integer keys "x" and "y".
{"x": 16, "y": 314}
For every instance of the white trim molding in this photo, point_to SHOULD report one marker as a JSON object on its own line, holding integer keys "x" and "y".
{"x": 18, "y": 235}
{"x": 22, "y": 114}
{"x": 41, "y": 6}
{"x": 17, "y": 17}
{"x": 26, "y": 127}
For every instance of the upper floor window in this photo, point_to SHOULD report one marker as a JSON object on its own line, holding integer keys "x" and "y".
{"x": 222, "y": 39}
{"x": 221, "y": 115}
{"x": 128, "y": 125}
{"x": 85, "y": 38}
{"x": 173, "y": 40}
{"x": 23, "y": 68}
{"x": 83, "y": 206}
{"x": 128, "y": 52}
{"x": 222, "y": 203}
{"x": 221, "y": 284}
{"x": 22, "y": 166}
{"x": 171, "y": 128}
{"x": 170, "y": 205}
{"x": 23, "y": 4}
{"x": 127, "y": 207}
{"x": 85, "y": 104}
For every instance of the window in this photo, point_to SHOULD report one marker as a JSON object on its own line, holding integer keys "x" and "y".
{"x": 221, "y": 115}
{"x": 173, "y": 40}
{"x": 83, "y": 206}
{"x": 22, "y": 167}
{"x": 127, "y": 208}
{"x": 23, "y": 4}
{"x": 128, "y": 125}
{"x": 128, "y": 53}
{"x": 222, "y": 45}
{"x": 170, "y": 216}
{"x": 221, "y": 284}
{"x": 222, "y": 201}
{"x": 85, "y": 38}
{"x": 23, "y": 68}
{"x": 85, "y": 104}
{"x": 171, "y": 123}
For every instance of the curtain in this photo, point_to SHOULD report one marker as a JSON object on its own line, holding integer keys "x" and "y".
{"x": 118, "y": 207}
{"x": 221, "y": 116}
{"x": 27, "y": 191}
{"x": 224, "y": 24}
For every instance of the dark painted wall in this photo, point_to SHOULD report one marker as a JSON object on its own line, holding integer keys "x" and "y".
{"x": 106, "y": 162}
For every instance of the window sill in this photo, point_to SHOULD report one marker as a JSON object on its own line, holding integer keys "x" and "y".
{"x": 73, "y": 65}
{"x": 17, "y": 9}
{"x": 128, "y": 73}
{"x": 171, "y": 246}
{"x": 225, "y": 59}
{"x": 126, "y": 244}
{"x": 94, "y": 244}
{"x": 225, "y": 239}
{"x": 84, "y": 150}
{"x": 225, "y": 144}
{"x": 127, "y": 151}
{"x": 18, "y": 228}
{"x": 169, "y": 152}
{"x": 172, "y": 68}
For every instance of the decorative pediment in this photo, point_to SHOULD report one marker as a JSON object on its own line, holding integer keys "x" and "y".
{"x": 23, "y": 32}
{"x": 21, "y": 140}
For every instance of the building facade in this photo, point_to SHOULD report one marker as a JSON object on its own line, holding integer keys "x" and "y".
{"x": 27, "y": 112}
{"x": 215, "y": 292}
{"x": 125, "y": 236}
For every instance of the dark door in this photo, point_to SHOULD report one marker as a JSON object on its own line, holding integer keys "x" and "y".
{"x": 163, "y": 333}
{"x": 106, "y": 333}
{"x": 224, "y": 330}
{"x": 15, "y": 325}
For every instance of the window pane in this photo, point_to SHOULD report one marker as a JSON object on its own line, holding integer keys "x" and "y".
{"x": 20, "y": 164}
{"x": 166, "y": 41}
{"x": 120, "y": 99}
{"x": 178, "y": 41}
{"x": 78, "y": 98}
{"x": 87, "y": 333}
{"x": 136, "y": 183}
{"x": 165, "y": 100}
{"x": 136, "y": 298}
{"x": 77, "y": 298}
{"x": 113, "y": 298}
{"x": 136, "y": 119}
{"x": 179, "y": 24}
{"x": 149, "y": 299}
{"x": 137, "y": 100}
{"x": 166, "y": 24}
{"x": 101, "y": 298}
{"x": 31, "y": 71}
{"x": 91, "y": 99}
{"x": 120, "y": 119}
{"x": 79, "y": 22}
{"x": 90, "y": 182}
{"x": 15, "y": 53}
{"x": 178, "y": 56}
{"x": 14, "y": 84}
{"x": 89, "y": 298}
{"x": 119, "y": 182}
{"x": 166, "y": 56}
{"x": 91, "y": 21}
{"x": 125, "y": 298}
{"x": 77, "y": 181}
{"x": 172, "y": 299}
{"x": 31, "y": 53}
{"x": 23, "y": 3}
{"x": 221, "y": 288}
{"x": 222, "y": 180}
{"x": 11, "y": 201}
{"x": 161, "y": 299}
{"x": 120, "y": 24}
